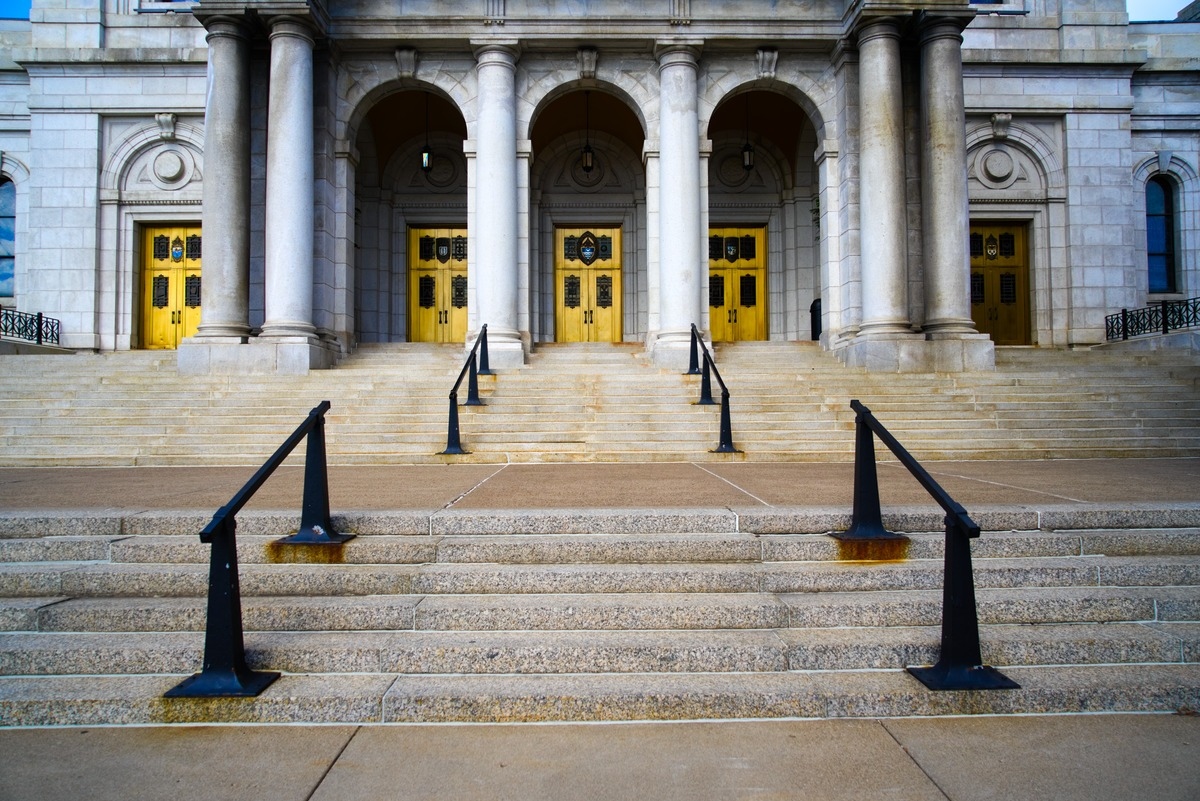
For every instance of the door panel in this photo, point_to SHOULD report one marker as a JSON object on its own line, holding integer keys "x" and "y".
{"x": 437, "y": 291}
{"x": 171, "y": 258}
{"x": 737, "y": 283}
{"x": 587, "y": 285}
{"x": 1000, "y": 282}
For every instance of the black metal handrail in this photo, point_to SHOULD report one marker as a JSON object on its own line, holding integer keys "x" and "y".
{"x": 706, "y": 399}
{"x": 225, "y": 672}
{"x": 1161, "y": 318}
{"x": 31, "y": 327}
{"x": 959, "y": 665}
{"x": 453, "y": 443}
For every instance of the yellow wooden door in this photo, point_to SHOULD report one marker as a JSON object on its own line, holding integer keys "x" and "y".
{"x": 437, "y": 288}
{"x": 171, "y": 285}
{"x": 1000, "y": 282}
{"x": 587, "y": 284}
{"x": 737, "y": 283}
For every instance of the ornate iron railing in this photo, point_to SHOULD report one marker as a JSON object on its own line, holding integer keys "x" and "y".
{"x": 959, "y": 662}
{"x": 225, "y": 672}
{"x": 1161, "y": 318}
{"x": 31, "y": 327}
{"x": 706, "y": 399}
{"x": 474, "y": 366}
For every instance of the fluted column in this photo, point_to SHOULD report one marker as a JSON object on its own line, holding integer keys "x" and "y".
{"x": 225, "y": 290}
{"x": 881, "y": 169}
{"x": 289, "y": 212}
{"x": 944, "y": 179}
{"x": 680, "y": 256}
{"x": 494, "y": 252}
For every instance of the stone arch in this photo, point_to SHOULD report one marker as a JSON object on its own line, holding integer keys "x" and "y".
{"x": 362, "y": 84}
{"x": 1024, "y": 140}
{"x": 181, "y": 137}
{"x": 557, "y": 83}
{"x": 798, "y": 87}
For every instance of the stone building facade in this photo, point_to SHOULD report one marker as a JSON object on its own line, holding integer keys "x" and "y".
{"x": 264, "y": 184}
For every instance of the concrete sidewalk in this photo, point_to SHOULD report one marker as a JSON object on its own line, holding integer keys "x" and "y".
{"x": 1082, "y": 484}
{"x": 1089, "y": 758}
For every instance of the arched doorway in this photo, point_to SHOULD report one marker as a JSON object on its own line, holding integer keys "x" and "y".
{"x": 412, "y": 265}
{"x": 587, "y": 220}
{"x": 763, "y": 213}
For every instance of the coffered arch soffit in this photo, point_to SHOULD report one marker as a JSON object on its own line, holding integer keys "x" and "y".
{"x": 722, "y": 80}
{"x": 544, "y": 86}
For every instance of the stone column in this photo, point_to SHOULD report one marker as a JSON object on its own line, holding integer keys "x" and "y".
{"x": 945, "y": 223}
{"x": 881, "y": 172}
{"x": 289, "y": 211}
{"x": 495, "y": 236}
{"x": 225, "y": 289}
{"x": 680, "y": 256}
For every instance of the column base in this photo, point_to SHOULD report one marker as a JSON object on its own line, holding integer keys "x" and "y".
{"x": 506, "y": 348}
{"x": 259, "y": 356}
{"x": 913, "y": 353}
{"x": 670, "y": 349}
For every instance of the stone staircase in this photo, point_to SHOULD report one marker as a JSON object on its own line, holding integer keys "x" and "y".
{"x": 612, "y": 619}
{"x": 597, "y": 403}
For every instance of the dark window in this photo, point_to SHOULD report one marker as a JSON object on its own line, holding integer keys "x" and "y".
{"x": 1160, "y": 234}
{"x": 8, "y": 236}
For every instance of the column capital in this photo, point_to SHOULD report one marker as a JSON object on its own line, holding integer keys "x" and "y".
{"x": 502, "y": 52}
{"x": 673, "y": 52}
{"x": 293, "y": 27}
{"x": 225, "y": 27}
{"x": 941, "y": 26}
{"x": 878, "y": 28}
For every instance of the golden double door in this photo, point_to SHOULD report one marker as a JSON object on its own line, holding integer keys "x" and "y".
{"x": 587, "y": 284}
{"x": 1000, "y": 282}
{"x": 737, "y": 284}
{"x": 437, "y": 285}
{"x": 171, "y": 285}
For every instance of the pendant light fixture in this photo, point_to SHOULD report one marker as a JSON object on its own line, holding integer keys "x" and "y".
{"x": 587, "y": 157}
{"x": 747, "y": 149}
{"x": 426, "y": 153}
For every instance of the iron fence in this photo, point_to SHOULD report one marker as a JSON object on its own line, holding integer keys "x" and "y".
{"x": 31, "y": 327}
{"x": 1161, "y": 318}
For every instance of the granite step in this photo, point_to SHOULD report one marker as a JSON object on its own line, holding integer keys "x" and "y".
{"x": 605, "y": 651}
{"x": 386, "y": 698}
{"x": 601, "y": 611}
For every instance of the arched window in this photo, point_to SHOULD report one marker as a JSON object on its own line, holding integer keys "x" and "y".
{"x": 8, "y": 229}
{"x": 1160, "y": 233}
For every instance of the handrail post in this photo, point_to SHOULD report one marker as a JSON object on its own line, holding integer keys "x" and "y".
{"x": 316, "y": 524}
{"x": 1165, "y": 306}
{"x": 694, "y": 359}
{"x": 473, "y": 385}
{"x": 706, "y": 398}
{"x": 726, "y": 444}
{"x": 453, "y": 444}
{"x": 866, "y": 522}
{"x": 225, "y": 672}
{"x": 39, "y": 328}
{"x": 960, "y": 662}
{"x": 484, "y": 368}
{"x": 1124, "y": 324}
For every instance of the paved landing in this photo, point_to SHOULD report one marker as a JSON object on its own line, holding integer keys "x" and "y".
{"x": 1089, "y": 758}
{"x": 1157, "y": 483}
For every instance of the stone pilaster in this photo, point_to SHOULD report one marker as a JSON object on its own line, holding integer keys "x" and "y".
{"x": 680, "y": 262}
{"x": 495, "y": 234}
